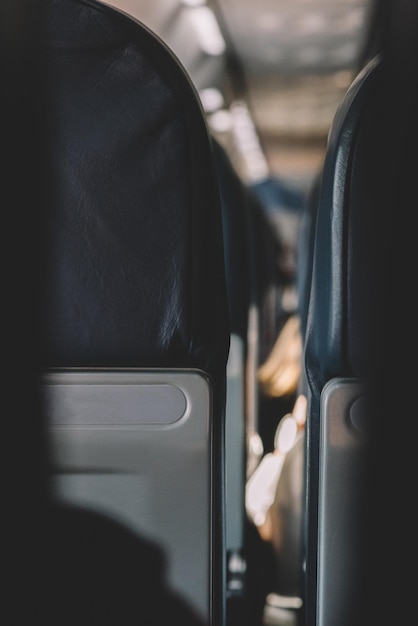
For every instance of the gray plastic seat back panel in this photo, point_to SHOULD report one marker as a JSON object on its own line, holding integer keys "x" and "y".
{"x": 341, "y": 475}
{"x": 151, "y": 470}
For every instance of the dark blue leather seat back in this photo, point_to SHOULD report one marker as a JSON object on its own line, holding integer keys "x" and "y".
{"x": 136, "y": 262}
{"x": 338, "y": 353}
{"x": 135, "y": 310}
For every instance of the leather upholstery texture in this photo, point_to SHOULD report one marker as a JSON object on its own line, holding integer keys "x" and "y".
{"x": 136, "y": 259}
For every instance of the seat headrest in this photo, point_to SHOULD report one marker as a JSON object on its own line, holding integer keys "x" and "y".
{"x": 343, "y": 272}
{"x": 135, "y": 258}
